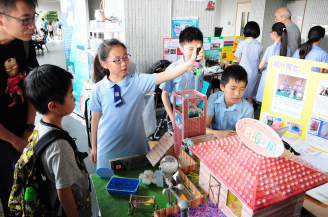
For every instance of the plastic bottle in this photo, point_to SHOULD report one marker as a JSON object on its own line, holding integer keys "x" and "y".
{"x": 31, "y": 199}
{"x": 198, "y": 72}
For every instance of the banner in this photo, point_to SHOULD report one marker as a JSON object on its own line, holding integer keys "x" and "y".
{"x": 74, "y": 20}
{"x": 180, "y": 23}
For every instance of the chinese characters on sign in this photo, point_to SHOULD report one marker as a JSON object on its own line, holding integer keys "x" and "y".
{"x": 285, "y": 65}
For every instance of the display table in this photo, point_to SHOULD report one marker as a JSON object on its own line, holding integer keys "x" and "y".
{"x": 116, "y": 204}
{"x": 315, "y": 207}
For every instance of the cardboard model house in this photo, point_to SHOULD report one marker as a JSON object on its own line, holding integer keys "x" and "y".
{"x": 243, "y": 182}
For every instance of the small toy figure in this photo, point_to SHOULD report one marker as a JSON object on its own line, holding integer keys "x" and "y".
{"x": 13, "y": 88}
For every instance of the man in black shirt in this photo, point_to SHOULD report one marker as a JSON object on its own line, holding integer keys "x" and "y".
{"x": 17, "y": 24}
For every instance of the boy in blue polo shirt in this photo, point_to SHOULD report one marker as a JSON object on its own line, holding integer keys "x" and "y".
{"x": 226, "y": 107}
{"x": 189, "y": 38}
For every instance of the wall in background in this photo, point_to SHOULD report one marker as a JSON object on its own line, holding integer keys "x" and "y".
{"x": 271, "y": 6}
{"x": 146, "y": 23}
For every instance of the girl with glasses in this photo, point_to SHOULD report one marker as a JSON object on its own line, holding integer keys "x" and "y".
{"x": 117, "y": 102}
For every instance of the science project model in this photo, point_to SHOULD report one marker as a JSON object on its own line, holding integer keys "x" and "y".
{"x": 253, "y": 174}
{"x": 294, "y": 92}
{"x": 189, "y": 120}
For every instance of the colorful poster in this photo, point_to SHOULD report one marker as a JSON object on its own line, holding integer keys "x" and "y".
{"x": 171, "y": 50}
{"x": 180, "y": 23}
{"x": 289, "y": 93}
{"x": 317, "y": 134}
{"x": 75, "y": 43}
{"x": 321, "y": 98}
{"x": 213, "y": 48}
{"x": 230, "y": 44}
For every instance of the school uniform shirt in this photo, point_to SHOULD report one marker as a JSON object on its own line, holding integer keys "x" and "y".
{"x": 226, "y": 118}
{"x": 183, "y": 82}
{"x": 250, "y": 51}
{"x": 315, "y": 54}
{"x": 121, "y": 130}
{"x": 273, "y": 50}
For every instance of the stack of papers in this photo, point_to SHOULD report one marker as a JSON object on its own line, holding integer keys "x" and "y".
{"x": 319, "y": 193}
{"x": 311, "y": 155}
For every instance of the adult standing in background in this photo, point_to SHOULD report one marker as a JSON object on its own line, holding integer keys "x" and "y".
{"x": 284, "y": 16}
{"x": 17, "y": 53}
{"x": 59, "y": 26}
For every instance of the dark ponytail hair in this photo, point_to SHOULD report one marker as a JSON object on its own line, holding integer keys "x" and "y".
{"x": 104, "y": 49}
{"x": 315, "y": 34}
{"x": 281, "y": 30}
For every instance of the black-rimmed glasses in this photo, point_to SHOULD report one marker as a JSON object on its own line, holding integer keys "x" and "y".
{"x": 25, "y": 21}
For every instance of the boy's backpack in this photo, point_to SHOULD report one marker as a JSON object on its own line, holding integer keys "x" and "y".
{"x": 28, "y": 174}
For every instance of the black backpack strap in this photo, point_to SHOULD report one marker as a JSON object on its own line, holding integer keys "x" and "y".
{"x": 54, "y": 135}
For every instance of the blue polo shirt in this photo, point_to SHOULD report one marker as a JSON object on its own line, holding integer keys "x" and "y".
{"x": 315, "y": 54}
{"x": 121, "y": 130}
{"x": 180, "y": 83}
{"x": 226, "y": 118}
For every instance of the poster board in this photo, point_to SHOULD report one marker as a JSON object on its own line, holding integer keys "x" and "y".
{"x": 180, "y": 23}
{"x": 74, "y": 20}
{"x": 230, "y": 46}
{"x": 213, "y": 48}
{"x": 171, "y": 50}
{"x": 313, "y": 117}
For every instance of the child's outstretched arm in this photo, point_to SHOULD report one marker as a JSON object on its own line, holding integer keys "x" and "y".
{"x": 67, "y": 200}
{"x": 94, "y": 129}
{"x": 219, "y": 134}
{"x": 176, "y": 71}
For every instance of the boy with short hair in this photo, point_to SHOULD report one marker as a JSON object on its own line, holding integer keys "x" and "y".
{"x": 226, "y": 107}
{"x": 50, "y": 90}
{"x": 189, "y": 39}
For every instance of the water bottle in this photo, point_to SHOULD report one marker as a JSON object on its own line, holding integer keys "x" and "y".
{"x": 198, "y": 72}
{"x": 31, "y": 199}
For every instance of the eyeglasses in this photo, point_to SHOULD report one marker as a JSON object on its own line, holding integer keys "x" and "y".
{"x": 26, "y": 22}
{"x": 270, "y": 32}
{"x": 120, "y": 60}
{"x": 277, "y": 17}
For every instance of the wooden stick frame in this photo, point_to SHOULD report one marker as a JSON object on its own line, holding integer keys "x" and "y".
{"x": 213, "y": 186}
{"x": 132, "y": 202}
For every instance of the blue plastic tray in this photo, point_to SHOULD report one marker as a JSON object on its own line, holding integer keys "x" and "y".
{"x": 124, "y": 186}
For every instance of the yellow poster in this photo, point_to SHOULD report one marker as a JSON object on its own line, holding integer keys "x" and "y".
{"x": 297, "y": 96}
{"x": 230, "y": 44}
